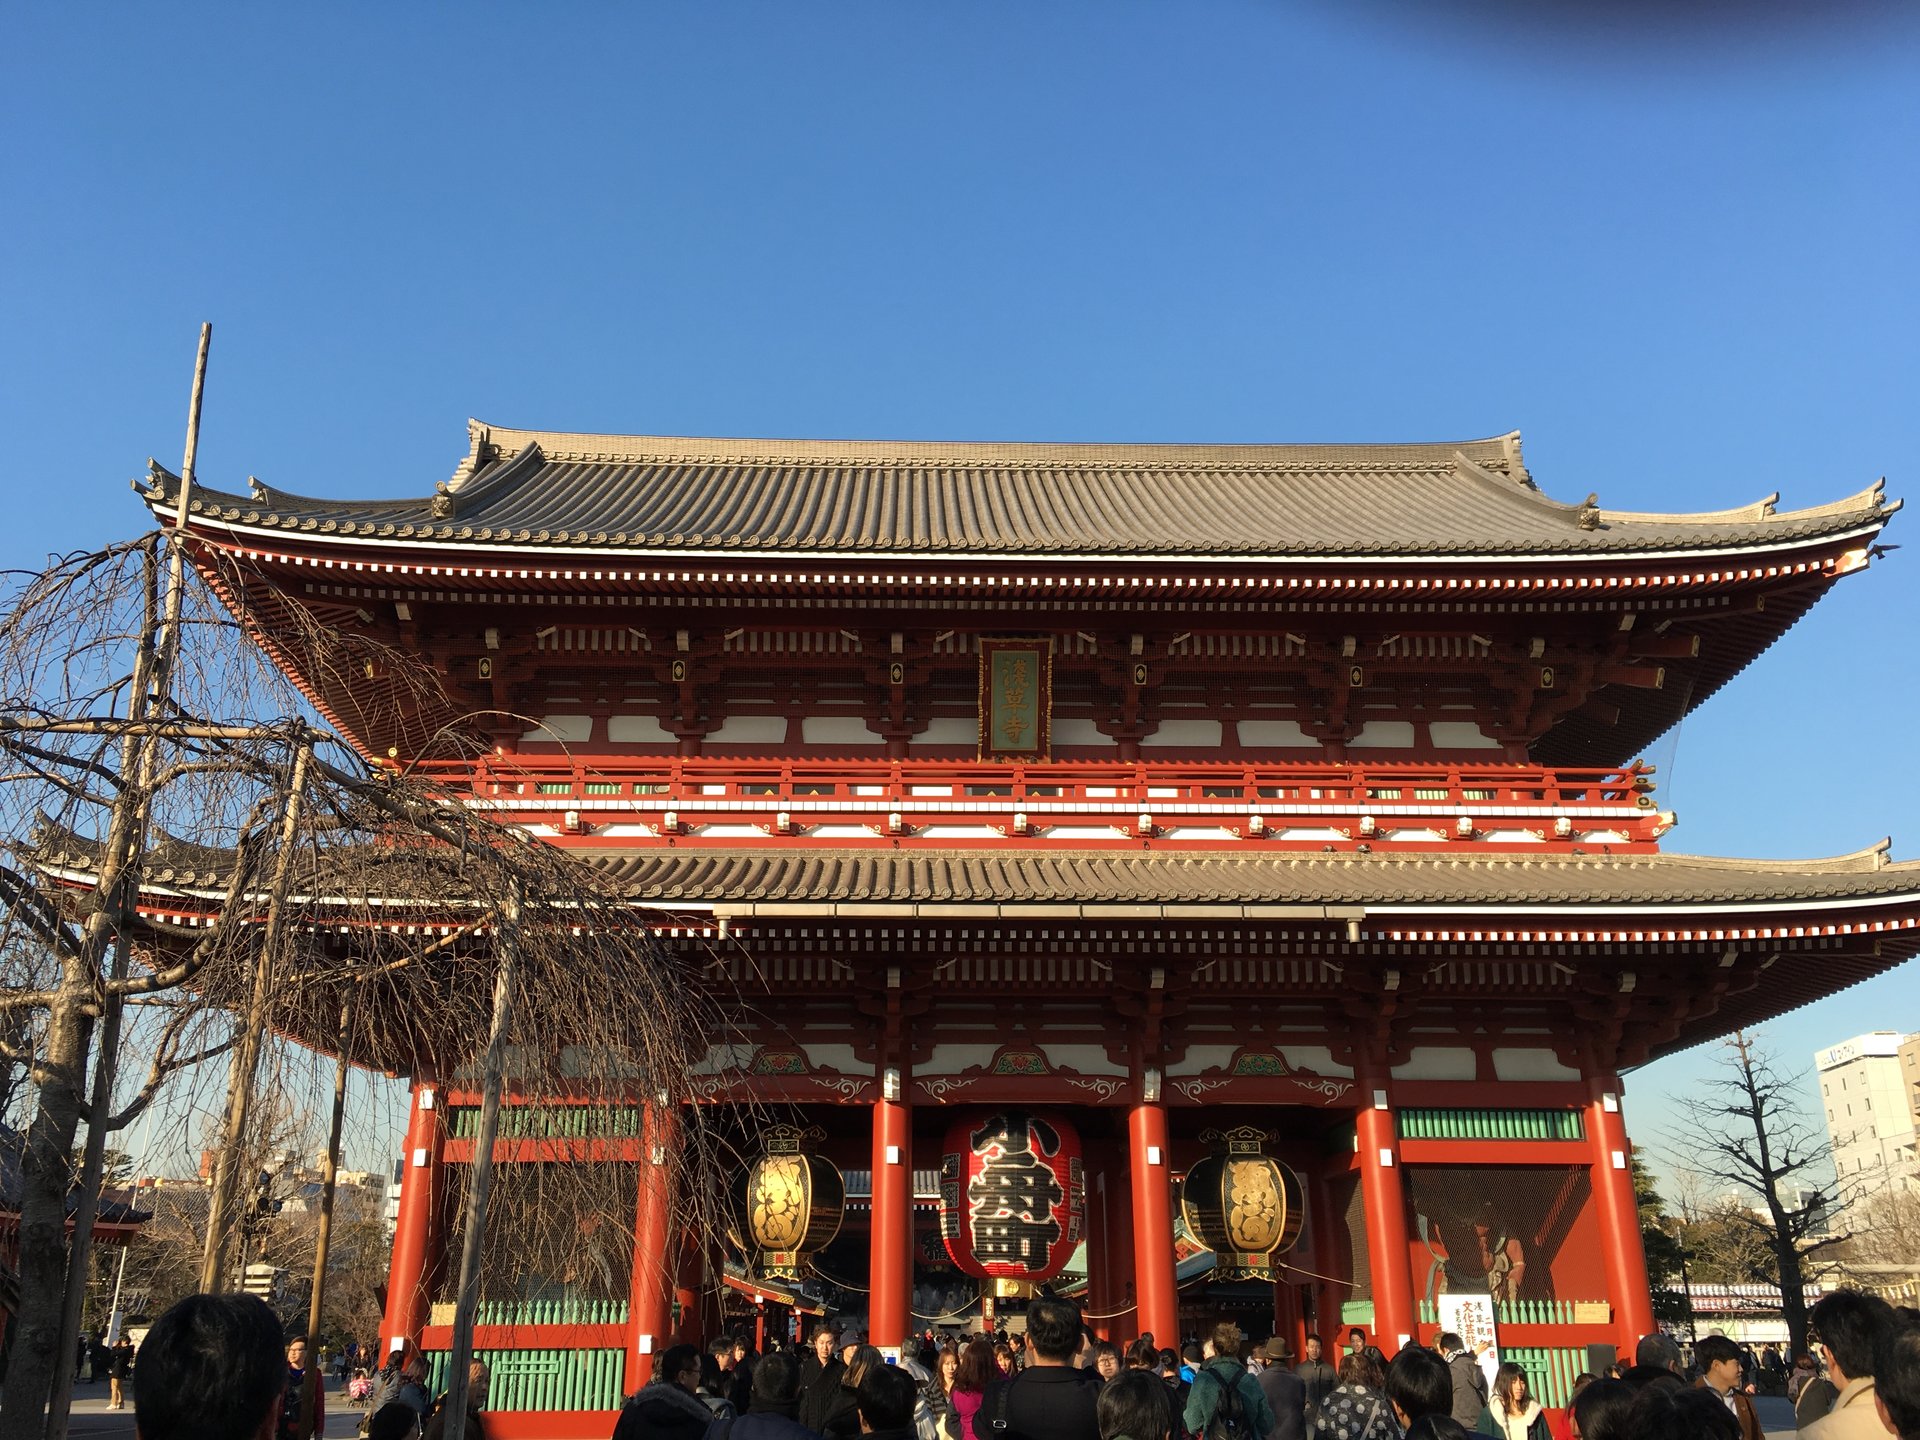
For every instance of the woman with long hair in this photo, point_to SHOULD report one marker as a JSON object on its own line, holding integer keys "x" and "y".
{"x": 977, "y": 1370}
{"x": 1512, "y": 1412}
{"x": 937, "y": 1393}
{"x": 843, "y": 1419}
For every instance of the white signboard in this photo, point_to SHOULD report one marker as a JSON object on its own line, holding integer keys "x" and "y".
{"x": 1471, "y": 1317}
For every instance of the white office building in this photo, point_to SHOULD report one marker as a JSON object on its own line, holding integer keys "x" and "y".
{"x": 1870, "y": 1115}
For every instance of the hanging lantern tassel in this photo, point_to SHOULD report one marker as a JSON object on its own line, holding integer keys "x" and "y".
{"x": 1242, "y": 1204}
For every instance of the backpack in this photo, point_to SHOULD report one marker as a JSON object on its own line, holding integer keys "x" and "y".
{"x": 1229, "y": 1419}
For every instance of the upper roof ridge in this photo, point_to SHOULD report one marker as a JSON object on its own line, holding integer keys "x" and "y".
{"x": 1498, "y": 452}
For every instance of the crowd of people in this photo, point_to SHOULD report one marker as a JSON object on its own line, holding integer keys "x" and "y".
{"x": 218, "y": 1367}
{"x": 1057, "y": 1382}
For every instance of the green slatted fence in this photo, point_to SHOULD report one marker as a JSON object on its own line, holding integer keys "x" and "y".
{"x": 550, "y": 1122}
{"x": 547, "y": 1379}
{"x": 1357, "y": 1312}
{"x": 1522, "y": 1312}
{"x": 1550, "y": 1371}
{"x": 562, "y": 1310}
{"x": 1492, "y": 1125}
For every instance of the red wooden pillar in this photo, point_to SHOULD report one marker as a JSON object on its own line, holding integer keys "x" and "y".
{"x": 1619, "y": 1214}
{"x": 889, "y": 1315}
{"x": 687, "y": 1292}
{"x": 408, "y": 1299}
{"x": 1331, "y": 1257}
{"x": 1155, "y": 1288}
{"x": 1388, "y": 1253}
{"x": 1286, "y": 1314}
{"x": 650, "y": 1301}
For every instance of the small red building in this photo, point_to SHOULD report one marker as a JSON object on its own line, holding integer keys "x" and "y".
{"x": 1159, "y": 792}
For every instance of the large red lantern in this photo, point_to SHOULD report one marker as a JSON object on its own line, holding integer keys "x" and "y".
{"x": 1012, "y": 1195}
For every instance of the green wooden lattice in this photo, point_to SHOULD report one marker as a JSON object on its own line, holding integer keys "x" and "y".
{"x": 546, "y": 1379}
{"x": 1550, "y": 1371}
{"x": 1492, "y": 1125}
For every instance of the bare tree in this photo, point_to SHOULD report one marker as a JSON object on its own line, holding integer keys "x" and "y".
{"x": 1747, "y": 1130}
{"x": 185, "y": 841}
{"x": 1884, "y": 1249}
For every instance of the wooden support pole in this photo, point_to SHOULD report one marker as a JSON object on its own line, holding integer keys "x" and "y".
{"x": 246, "y": 1060}
{"x": 480, "y": 1174}
{"x": 329, "y": 1172}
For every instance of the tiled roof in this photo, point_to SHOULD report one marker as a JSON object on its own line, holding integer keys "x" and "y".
{"x": 658, "y": 494}
{"x": 1105, "y": 878}
{"x": 970, "y": 879}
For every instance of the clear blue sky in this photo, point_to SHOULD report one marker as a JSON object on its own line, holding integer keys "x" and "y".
{"x": 1679, "y": 256}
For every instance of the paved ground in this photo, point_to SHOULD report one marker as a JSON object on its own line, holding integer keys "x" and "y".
{"x": 1776, "y": 1415}
{"x": 90, "y": 1416}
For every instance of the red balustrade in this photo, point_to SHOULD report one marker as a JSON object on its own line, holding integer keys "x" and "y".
{"x": 1393, "y": 805}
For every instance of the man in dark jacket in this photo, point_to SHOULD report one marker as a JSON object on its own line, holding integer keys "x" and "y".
{"x": 1469, "y": 1380}
{"x": 667, "y": 1407}
{"x": 1319, "y": 1378}
{"x": 1286, "y": 1393}
{"x": 820, "y": 1376}
{"x": 1052, "y": 1399}
{"x": 772, "y": 1407}
{"x": 1656, "y": 1355}
{"x": 1220, "y": 1375}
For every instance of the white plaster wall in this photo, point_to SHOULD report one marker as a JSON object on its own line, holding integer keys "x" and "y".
{"x": 953, "y": 730}
{"x": 1193, "y": 733}
{"x": 1531, "y": 1065}
{"x": 1078, "y": 732}
{"x": 952, "y": 1059}
{"x": 836, "y": 1057}
{"x": 637, "y": 730}
{"x": 570, "y": 728}
{"x": 1087, "y": 1059}
{"x": 1459, "y": 735}
{"x": 750, "y": 730}
{"x": 724, "y": 1057}
{"x": 1383, "y": 735}
{"x": 1278, "y": 734}
{"x": 836, "y": 730}
{"x": 1316, "y": 1058}
{"x": 1202, "y": 1057}
{"x": 1437, "y": 1062}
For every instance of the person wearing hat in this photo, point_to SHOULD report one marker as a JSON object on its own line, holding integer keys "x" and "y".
{"x": 1285, "y": 1391}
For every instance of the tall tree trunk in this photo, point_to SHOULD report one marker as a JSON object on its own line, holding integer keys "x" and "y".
{"x": 480, "y": 1175}
{"x": 224, "y": 1204}
{"x": 46, "y": 1175}
{"x": 92, "y": 1169}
